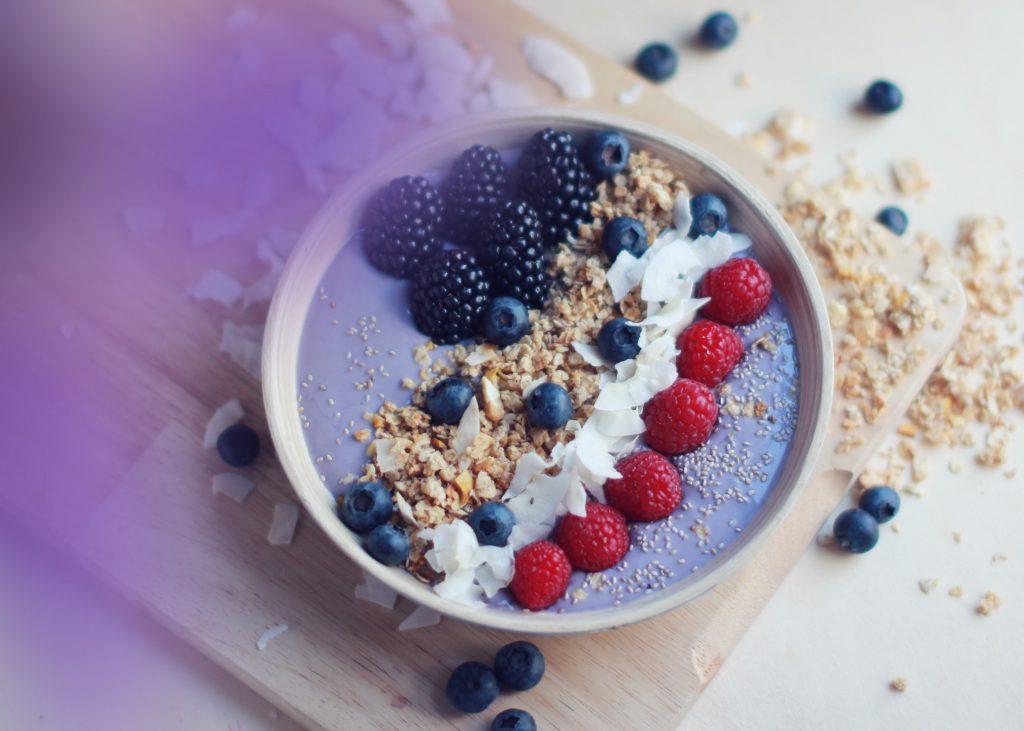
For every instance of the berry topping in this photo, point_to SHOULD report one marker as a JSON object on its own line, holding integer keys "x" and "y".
{"x": 448, "y": 399}
{"x": 624, "y": 234}
{"x": 606, "y": 153}
{"x": 514, "y": 719}
{"x": 881, "y": 502}
{"x": 719, "y": 30}
{"x": 894, "y": 219}
{"x": 855, "y": 531}
{"x": 448, "y": 295}
{"x": 883, "y": 97}
{"x": 595, "y": 542}
{"x": 554, "y": 181}
{"x": 650, "y": 487}
{"x": 513, "y": 249}
{"x": 709, "y": 215}
{"x": 472, "y": 687}
{"x": 389, "y": 544}
{"x": 238, "y": 445}
{"x": 708, "y": 351}
{"x": 492, "y": 523}
{"x": 657, "y": 61}
{"x": 476, "y": 184}
{"x": 519, "y": 665}
{"x": 739, "y": 290}
{"x": 619, "y": 340}
{"x": 505, "y": 321}
{"x": 402, "y": 226}
{"x": 365, "y": 506}
{"x": 541, "y": 575}
{"x": 680, "y": 418}
{"x": 548, "y": 406}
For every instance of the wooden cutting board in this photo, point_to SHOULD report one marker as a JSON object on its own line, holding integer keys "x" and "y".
{"x": 148, "y": 378}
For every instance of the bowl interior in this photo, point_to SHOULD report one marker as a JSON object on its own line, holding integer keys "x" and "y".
{"x": 335, "y": 224}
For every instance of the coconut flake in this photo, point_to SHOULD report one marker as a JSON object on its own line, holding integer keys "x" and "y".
{"x": 481, "y": 354}
{"x": 524, "y": 535}
{"x": 268, "y": 634}
{"x": 216, "y": 286}
{"x": 509, "y": 95}
{"x": 532, "y": 386}
{"x": 263, "y": 288}
{"x": 244, "y": 344}
{"x": 419, "y": 618}
{"x": 396, "y": 38}
{"x": 625, "y": 423}
{"x": 208, "y": 229}
{"x": 405, "y": 510}
{"x": 429, "y": 13}
{"x": 227, "y": 415}
{"x": 528, "y": 467}
{"x": 469, "y": 428}
{"x": 591, "y": 354}
{"x": 625, "y": 273}
{"x": 385, "y": 461}
{"x": 630, "y": 96}
{"x": 558, "y": 65}
{"x": 540, "y": 500}
{"x": 232, "y": 485}
{"x": 282, "y": 528}
{"x": 144, "y": 220}
{"x": 375, "y": 591}
{"x": 497, "y": 564}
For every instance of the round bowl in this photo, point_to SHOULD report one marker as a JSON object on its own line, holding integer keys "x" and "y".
{"x": 334, "y": 225}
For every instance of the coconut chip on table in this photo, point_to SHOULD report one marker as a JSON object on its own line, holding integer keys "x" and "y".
{"x": 269, "y": 634}
{"x": 283, "y": 524}
{"x": 229, "y": 414}
{"x": 232, "y": 485}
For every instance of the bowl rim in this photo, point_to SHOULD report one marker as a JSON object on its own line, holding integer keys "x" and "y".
{"x": 280, "y": 389}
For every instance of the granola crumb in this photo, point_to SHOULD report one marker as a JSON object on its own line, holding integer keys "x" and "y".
{"x": 743, "y": 80}
{"x": 956, "y": 467}
{"x": 957, "y": 536}
{"x": 895, "y": 527}
{"x": 956, "y": 591}
{"x": 909, "y": 176}
{"x": 928, "y": 585}
{"x": 998, "y": 557}
{"x": 899, "y": 685}
{"x": 361, "y": 435}
{"x": 989, "y": 603}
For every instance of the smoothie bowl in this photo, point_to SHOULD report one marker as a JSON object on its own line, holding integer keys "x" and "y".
{"x": 563, "y": 380}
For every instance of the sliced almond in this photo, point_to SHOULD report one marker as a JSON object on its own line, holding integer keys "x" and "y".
{"x": 494, "y": 410}
{"x": 464, "y": 484}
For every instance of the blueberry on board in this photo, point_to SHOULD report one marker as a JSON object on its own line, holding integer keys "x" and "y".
{"x": 448, "y": 399}
{"x": 549, "y": 406}
{"x": 519, "y": 665}
{"x": 893, "y": 218}
{"x": 619, "y": 340}
{"x": 606, "y": 153}
{"x": 624, "y": 233}
{"x": 883, "y": 97}
{"x": 238, "y": 445}
{"x": 472, "y": 687}
{"x": 709, "y": 215}
{"x": 365, "y": 506}
{"x": 492, "y": 523}
{"x": 505, "y": 321}
{"x": 514, "y": 719}
{"x": 855, "y": 531}
{"x": 657, "y": 61}
{"x": 881, "y": 502}
{"x": 389, "y": 544}
{"x": 719, "y": 30}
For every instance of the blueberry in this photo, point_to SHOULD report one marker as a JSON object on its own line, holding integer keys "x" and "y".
{"x": 447, "y": 400}
{"x": 624, "y": 234}
{"x": 719, "y": 30}
{"x": 238, "y": 445}
{"x": 657, "y": 61}
{"x": 519, "y": 665}
{"x": 506, "y": 320}
{"x": 472, "y": 687}
{"x": 883, "y": 97}
{"x": 894, "y": 219}
{"x": 513, "y": 719}
{"x": 855, "y": 531}
{"x": 549, "y": 406}
{"x": 619, "y": 340}
{"x": 365, "y": 506}
{"x": 709, "y": 215}
{"x": 389, "y": 544}
{"x": 881, "y": 502}
{"x": 492, "y": 523}
{"x": 606, "y": 153}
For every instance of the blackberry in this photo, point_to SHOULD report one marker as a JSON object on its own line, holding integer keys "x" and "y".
{"x": 477, "y": 183}
{"x": 553, "y": 180}
{"x": 448, "y": 296}
{"x": 513, "y": 249}
{"x": 402, "y": 225}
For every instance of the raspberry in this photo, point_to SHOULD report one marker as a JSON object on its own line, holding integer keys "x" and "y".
{"x": 739, "y": 290}
{"x": 650, "y": 487}
{"x": 680, "y": 418}
{"x": 595, "y": 542}
{"x": 541, "y": 575}
{"x": 707, "y": 352}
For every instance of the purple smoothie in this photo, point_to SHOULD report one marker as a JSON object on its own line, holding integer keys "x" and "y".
{"x": 357, "y": 345}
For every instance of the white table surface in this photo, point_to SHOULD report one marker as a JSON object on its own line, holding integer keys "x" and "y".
{"x": 825, "y": 649}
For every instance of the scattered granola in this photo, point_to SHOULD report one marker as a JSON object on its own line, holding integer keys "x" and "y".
{"x": 928, "y": 585}
{"x": 989, "y": 603}
{"x": 956, "y": 591}
{"x": 899, "y": 685}
{"x": 909, "y": 176}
